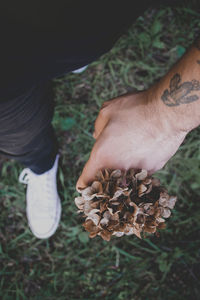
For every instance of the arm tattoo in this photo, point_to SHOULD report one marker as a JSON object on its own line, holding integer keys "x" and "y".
{"x": 180, "y": 93}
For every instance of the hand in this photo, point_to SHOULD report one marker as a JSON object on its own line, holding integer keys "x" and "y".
{"x": 131, "y": 131}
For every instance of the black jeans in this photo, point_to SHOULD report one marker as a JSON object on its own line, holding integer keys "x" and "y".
{"x": 31, "y": 57}
{"x": 26, "y": 133}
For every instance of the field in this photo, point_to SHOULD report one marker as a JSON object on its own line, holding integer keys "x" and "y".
{"x": 70, "y": 265}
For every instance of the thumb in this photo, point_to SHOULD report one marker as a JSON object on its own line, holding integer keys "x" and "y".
{"x": 95, "y": 163}
{"x": 88, "y": 174}
{"x": 102, "y": 118}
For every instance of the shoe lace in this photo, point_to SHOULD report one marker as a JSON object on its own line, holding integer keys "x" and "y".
{"x": 24, "y": 176}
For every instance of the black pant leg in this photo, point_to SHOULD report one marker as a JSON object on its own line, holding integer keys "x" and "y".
{"x": 26, "y": 133}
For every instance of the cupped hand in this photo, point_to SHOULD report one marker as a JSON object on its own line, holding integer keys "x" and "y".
{"x": 131, "y": 131}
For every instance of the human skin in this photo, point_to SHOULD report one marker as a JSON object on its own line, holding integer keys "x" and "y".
{"x": 145, "y": 129}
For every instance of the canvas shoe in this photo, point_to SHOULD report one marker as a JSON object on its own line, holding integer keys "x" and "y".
{"x": 43, "y": 203}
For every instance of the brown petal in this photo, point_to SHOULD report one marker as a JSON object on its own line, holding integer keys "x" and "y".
{"x": 103, "y": 206}
{"x": 150, "y": 229}
{"x": 89, "y": 226}
{"x": 172, "y": 201}
{"x": 129, "y": 230}
{"x": 112, "y": 225}
{"x": 160, "y": 220}
{"x": 79, "y": 201}
{"x": 97, "y": 187}
{"x": 93, "y": 211}
{"x": 145, "y": 205}
{"x": 87, "y": 207}
{"x": 116, "y": 174}
{"x": 140, "y": 219}
{"x": 150, "y": 210}
{"x": 115, "y": 203}
{"x": 110, "y": 210}
{"x": 132, "y": 204}
{"x": 106, "y": 174}
{"x": 165, "y": 212}
{"x": 107, "y": 214}
{"x": 137, "y": 231}
{"x": 117, "y": 194}
{"x": 146, "y": 181}
{"x": 88, "y": 193}
{"x": 104, "y": 222}
{"x": 95, "y": 204}
{"x": 149, "y": 188}
{"x": 141, "y": 175}
{"x": 163, "y": 200}
{"x": 93, "y": 234}
{"x": 131, "y": 173}
{"x": 141, "y": 190}
{"x": 106, "y": 235}
{"x": 107, "y": 188}
{"x": 99, "y": 175}
{"x": 161, "y": 225}
{"x": 94, "y": 218}
{"x": 118, "y": 233}
{"x": 150, "y": 221}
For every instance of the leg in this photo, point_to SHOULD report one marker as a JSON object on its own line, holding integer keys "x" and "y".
{"x": 26, "y": 134}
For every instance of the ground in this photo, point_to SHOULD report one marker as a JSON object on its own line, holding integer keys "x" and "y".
{"x": 70, "y": 265}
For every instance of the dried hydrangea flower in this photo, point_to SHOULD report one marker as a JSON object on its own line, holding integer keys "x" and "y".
{"x": 124, "y": 203}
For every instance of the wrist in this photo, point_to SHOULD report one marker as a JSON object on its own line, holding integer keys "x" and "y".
{"x": 172, "y": 119}
{"x": 165, "y": 120}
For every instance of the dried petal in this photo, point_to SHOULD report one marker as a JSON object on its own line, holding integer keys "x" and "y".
{"x": 172, "y": 201}
{"x": 161, "y": 225}
{"x": 97, "y": 187}
{"x": 150, "y": 229}
{"x": 79, "y": 201}
{"x": 146, "y": 181}
{"x": 93, "y": 234}
{"x": 89, "y": 226}
{"x": 116, "y": 174}
{"x": 165, "y": 212}
{"x": 104, "y": 221}
{"x": 141, "y": 175}
{"x": 141, "y": 190}
{"x": 106, "y": 174}
{"x": 88, "y": 193}
{"x": 160, "y": 220}
{"x": 118, "y": 234}
{"x": 163, "y": 200}
{"x": 140, "y": 219}
{"x": 94, "y": 218}
{"x": 118, "y": 193}
{"x": 137, "y": 230}
{"x": 87, "y": 207}
{"x": 106, "y": 235}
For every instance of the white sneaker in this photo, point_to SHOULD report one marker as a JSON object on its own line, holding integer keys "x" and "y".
{"x": 43, "y": 203}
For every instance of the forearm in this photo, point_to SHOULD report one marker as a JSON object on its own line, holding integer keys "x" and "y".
{"x": 177, "y": 95}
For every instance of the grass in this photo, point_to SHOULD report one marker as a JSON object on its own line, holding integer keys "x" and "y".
{"x": 69, "y": 265}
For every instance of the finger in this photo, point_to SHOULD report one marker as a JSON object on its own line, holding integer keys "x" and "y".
{"x": 157, "y": 168}
{"x": 103, "y": 117}
{"x": 100, "y": 123}
{"x": 88, "y": 174}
